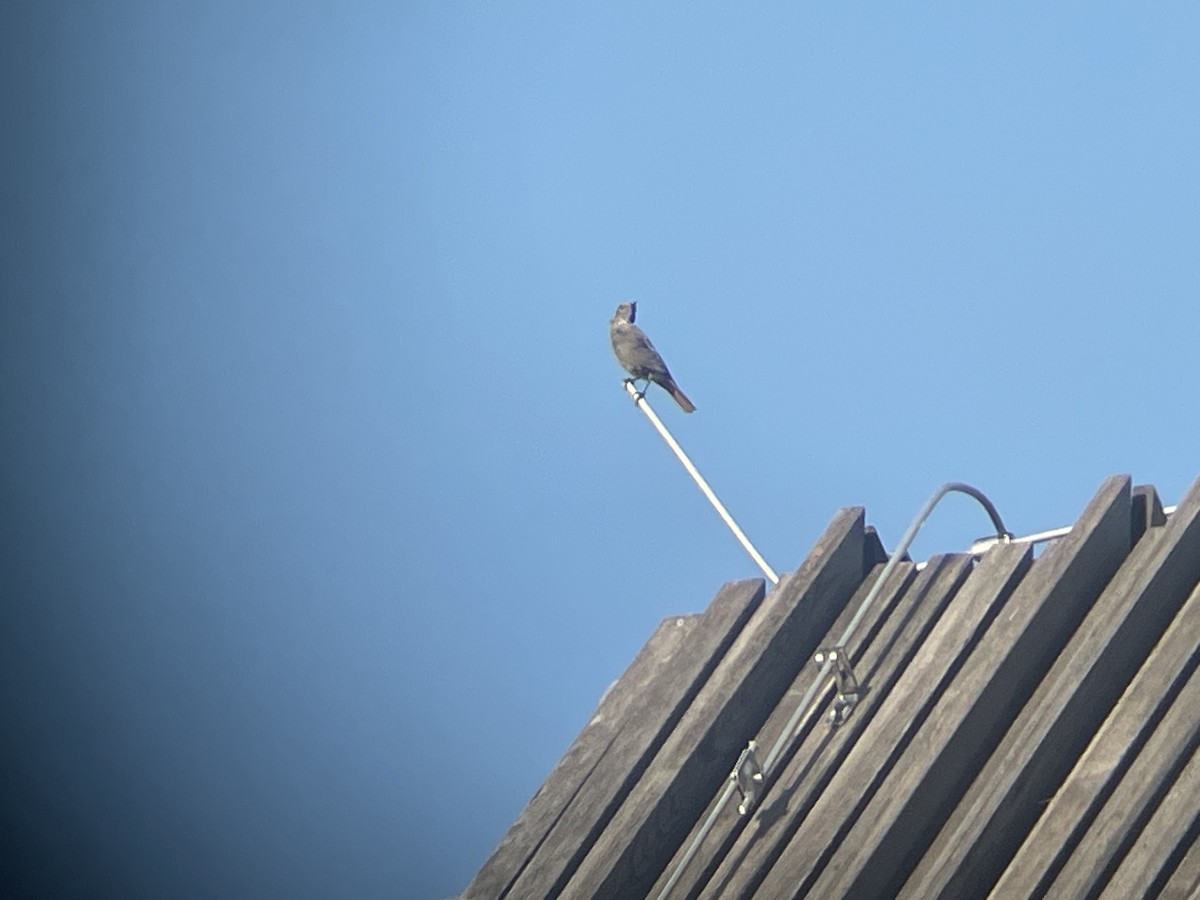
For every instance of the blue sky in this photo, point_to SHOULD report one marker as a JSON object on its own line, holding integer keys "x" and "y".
{"x": 327, "y": 521}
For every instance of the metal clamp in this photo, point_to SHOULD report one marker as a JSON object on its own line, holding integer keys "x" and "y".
{"x": 747, "y": 775}
{"x": 847, "y": 683}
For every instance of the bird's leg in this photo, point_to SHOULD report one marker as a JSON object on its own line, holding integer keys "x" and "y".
{"x": 638, "y": 395}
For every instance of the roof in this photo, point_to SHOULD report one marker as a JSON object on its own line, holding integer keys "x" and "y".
{"x": 1023, "y": 723}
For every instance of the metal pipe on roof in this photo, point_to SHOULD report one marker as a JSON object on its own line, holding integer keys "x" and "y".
{"x": 1002, "y": 535}
{"x": 898, "y": 554}
{"x": 1038, "y": 537}
{"x": 827, "y": 660}
{"x": 640, "y": 399}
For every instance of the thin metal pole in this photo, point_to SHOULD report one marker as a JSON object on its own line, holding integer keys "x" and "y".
{"x": 640, "y": 400}
{"x": 730, "y": 787}
{"x": 984, "y": 544}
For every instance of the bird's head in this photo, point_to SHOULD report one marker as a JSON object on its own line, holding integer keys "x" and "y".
{"x": 626, "y": 312}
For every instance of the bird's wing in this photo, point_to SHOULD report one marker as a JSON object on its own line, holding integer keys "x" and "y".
{"x": 642, "y": 342}
{"x": 648, "y": 356}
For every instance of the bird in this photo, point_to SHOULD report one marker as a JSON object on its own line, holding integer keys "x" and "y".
{"x": 638, "y": 357}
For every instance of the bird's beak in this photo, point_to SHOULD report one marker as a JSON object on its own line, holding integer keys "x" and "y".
{"x": 632, "y": 311}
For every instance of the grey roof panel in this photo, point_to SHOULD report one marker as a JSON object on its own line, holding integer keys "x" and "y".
{"x": 803, "y": 794}
{"x": 1020, "y": 720}
{"x": 1071, "y": 702}
{"x": 659, "y": 812}
{"x": 729, "y": 826}
{"x": 1152, "y": 756}
{"x": 1110, "y": 791}
{"x": 1184, "y": 883}
{"x": 631, "y": 723}
{"x": 1165, "y": 840}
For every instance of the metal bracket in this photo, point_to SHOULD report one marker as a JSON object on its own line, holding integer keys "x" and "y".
{"x": 847, "y": 684}
{"x": 982, "y": 545}
{"x": 748, "y": 776}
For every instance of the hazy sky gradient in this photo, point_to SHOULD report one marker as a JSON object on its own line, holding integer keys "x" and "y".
{"x": 326, "y": 520}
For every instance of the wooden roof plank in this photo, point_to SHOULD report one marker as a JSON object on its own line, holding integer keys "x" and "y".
{"x": 1163, "y": 843}
{"x": 973, "y": 712}
{"x": 583, "y": 789}
{"x": 1054, "y": 728}
{"x": 1184, "y": 883}
{"x": 1152, "y": 724}
{"x": 816, "y": 757}
{"x": 1139, "y": 788}
{"x": 872, "y": 756}
{"x": 699, "y": 753}
{"x": 727, "y": 828}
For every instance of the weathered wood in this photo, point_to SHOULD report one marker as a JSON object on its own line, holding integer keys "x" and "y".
{"x": 977, "y": 707}
{"x": 804, "y": 774}
{"x": 1031, "y": 729}
{"x": 730, "y": 823}
{"x": 785, "y": 872}
{"x": 1075, "y": 695}
{"x": 1147, "y": 510}
{"x": 1151, "y": 726}
{"x": 1134, "y": 803}
{"x": 630, "y": 723}
{"x": 1132, "y": 799}
{"x": 1184, "y": 883}
{"x": 1163, "y": 842}
{"x": 699, "y": 753}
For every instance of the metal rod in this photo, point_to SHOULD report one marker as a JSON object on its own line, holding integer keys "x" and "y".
{"x": 730, "y": 787}
{"x": 640, "y": 400}
{"x": 1038, "y": 537}
{"x": 910, "y": 535}
{"x": 894, "y": 560}
{"x": 822, "y": 679}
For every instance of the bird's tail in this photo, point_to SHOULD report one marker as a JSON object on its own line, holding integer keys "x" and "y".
{"x": 680, "y": 397}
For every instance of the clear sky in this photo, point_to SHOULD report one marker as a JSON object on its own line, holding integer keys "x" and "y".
{"x": 326, "y": 520}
